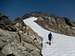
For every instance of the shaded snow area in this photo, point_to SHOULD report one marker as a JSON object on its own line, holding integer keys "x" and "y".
{"x": 61, "y": 45}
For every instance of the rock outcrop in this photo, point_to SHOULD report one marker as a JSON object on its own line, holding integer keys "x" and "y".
{"x": 17, "y": 39}
{"x": 57, "y": 24}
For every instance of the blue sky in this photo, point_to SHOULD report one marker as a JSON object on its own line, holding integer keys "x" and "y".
{"x": 14, "y": 8}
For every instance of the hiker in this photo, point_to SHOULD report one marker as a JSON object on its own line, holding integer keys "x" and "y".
{"x": 49, "y": 38}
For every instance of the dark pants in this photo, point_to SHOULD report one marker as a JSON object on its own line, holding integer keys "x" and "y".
{"x": 49, "y": 38}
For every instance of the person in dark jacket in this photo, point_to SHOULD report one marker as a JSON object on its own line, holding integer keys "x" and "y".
{"x": 49, "y": 38}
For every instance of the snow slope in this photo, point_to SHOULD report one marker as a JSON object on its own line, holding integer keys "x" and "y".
{"x": 62, "y": 45}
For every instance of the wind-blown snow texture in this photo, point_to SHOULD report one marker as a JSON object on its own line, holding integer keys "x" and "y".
{"x": 62, "y": 45}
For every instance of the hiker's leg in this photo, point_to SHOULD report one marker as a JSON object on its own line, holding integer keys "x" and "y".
{"x": 49, "y": 42}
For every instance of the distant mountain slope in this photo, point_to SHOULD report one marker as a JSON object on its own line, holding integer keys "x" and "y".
{"x": 54, "y": 23}
{"x": 57, "y": 24}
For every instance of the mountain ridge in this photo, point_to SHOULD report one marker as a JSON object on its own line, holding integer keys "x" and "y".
{"x": 16, "y": 38}
{"x": 50, "y": 22}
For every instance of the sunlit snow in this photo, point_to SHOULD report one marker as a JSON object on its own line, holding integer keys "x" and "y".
{"x": 62, "y": 45}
